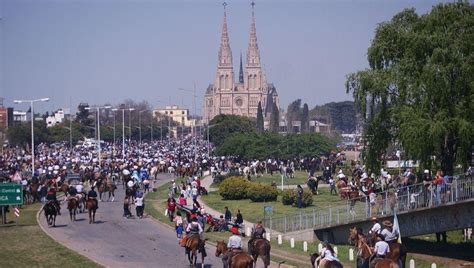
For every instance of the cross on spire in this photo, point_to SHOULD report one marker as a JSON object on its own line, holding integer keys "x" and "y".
{"x": 224, "y": 4}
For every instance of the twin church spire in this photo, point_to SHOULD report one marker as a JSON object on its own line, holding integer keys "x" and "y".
{"x": 225, "y": 75}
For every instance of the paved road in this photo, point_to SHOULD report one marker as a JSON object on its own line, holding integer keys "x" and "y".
{"x": 118, "y": 242}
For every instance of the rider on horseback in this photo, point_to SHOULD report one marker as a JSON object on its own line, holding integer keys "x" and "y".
{"x": 258, "y": 232}
{"x": 380, "y": 250}
{"x": 51, "y": 198}
{"x": 326, "y": 254}
{"x": 235, "y": 247}
{"x": 92, "y": 194}
{"x": 388, "y": 233}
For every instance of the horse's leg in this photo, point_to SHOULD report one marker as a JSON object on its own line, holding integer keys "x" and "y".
{"x": 54, "y": 220}
{"x": 90, "y": 216}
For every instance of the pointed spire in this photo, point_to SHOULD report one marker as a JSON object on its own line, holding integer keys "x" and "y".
{"x": 253, "y": 54}
{"x": 225, "y": 53}
{"x": 241, "y": 71}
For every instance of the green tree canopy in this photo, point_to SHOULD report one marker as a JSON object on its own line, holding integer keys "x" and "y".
{"x": 260, "y": 125}
{"x": 418, "y": 91}
{"x": 274, "y": 119}
{"x": 222, "y": 126}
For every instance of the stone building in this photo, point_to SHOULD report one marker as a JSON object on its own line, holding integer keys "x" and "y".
{"x": 241, "y": 97}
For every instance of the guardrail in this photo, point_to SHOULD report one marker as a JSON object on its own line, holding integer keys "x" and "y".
{"x": 401, "y": 199}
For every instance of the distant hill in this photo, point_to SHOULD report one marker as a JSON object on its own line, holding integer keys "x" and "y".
{"x": 341, "y": 115}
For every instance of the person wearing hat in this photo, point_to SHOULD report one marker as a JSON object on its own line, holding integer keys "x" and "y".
{"x": 193, "y": 229}
{"x": 235, "y": 246}
{"x": 388, "y": 233}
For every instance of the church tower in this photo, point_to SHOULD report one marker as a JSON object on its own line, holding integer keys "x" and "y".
{"x": 253, "y": 69}
{"x": 225, "y": 72}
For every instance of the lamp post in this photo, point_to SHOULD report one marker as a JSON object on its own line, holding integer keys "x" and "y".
{"x": 123, "y": 128}
{"x": 194, "y": 103}
{"x": 97, "y": 108}
{"x": 114, "y": 110}
{"x": 32, "y": 129}
{"x": 140, "y": 125}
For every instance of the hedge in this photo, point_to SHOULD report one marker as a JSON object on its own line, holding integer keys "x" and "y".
{"x": 258, "y": 192}
{"x": 234, "y": 188}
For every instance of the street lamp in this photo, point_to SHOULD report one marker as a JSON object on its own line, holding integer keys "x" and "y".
{"x": 140, "y": 125}
{"x": 32, "y": 129}
{"x": 123, "y": 127}
{"x": 98, "y": 126}
{"x": 194, "y": 102}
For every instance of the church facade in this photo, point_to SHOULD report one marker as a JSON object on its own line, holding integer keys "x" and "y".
{"x": 239, "y": 97}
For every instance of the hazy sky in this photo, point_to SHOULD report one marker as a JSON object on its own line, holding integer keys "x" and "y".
{"x": 100, "y": 51}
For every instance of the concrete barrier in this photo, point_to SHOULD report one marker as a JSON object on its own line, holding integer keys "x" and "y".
{"x": 412, "y": 263}
{"x": 351, "y": 254}
{"x": 305, "y": 246}
{"x": 335, "y": 250}
{"x": 268, "y": 236}
{"x": 320, "y": 247}
{"x": 280, "y": 239}
{"x": 292, "y": 242}
{"x": 433, "y": 265}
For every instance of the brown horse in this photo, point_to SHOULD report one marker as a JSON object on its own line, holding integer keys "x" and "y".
{"x": 72, "y": 205}
{"x": 240, "y": 260}
{"x": 64, "y": 188}
{"x": 365, "y": 252}
{"x": 91, "y": 207}
{"x": 106, "y": 186}
{"x": 260, "y": 247}
{"x": 327, "y": 264}
{"x": 194, "y": 245}
{"x": 50, "y": 212}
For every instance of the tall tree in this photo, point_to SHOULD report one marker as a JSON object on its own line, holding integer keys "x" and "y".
{"x": 223, "y": 126}
{"x": 293, "y": 114}
{"x": 274, "y": 119}
{"x": 305, "y": 119}
{"x": 259, "y": 118}
{"x": 419, "y": 90}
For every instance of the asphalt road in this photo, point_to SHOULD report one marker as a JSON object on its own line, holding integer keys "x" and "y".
{"x": 118, "y": 242}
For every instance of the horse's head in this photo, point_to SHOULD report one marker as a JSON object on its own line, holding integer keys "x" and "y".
{"x": 221, "y": 248}
{"x": 353, "y": 235}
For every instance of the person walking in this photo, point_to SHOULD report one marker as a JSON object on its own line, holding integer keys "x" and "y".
{"x": 126, "y": 208}
{"x": 139, "y": 203}
{"x": 299, "y": 196}
{"x": 227, "y": 215}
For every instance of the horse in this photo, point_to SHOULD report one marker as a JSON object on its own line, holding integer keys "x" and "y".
{"x": 194, "y": 245}
{"x": 72, "y": 206}
{"x": 260, "y": 247}
{"x": 106, "y": 187}
{"x": 365, "y": 252}
{"x": 328, "y": 264}
{"x": 91, "y": 207}
{"x": 50, "y": 213}
{"x": 240, "y": 260}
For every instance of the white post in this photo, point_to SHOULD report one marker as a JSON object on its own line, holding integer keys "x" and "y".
{"x": 292, "y": 243}
{"x": 335, "y": 250}
{"x": 123, "y": 133}
{"x": 320, "y": 247}
{"x": 280, "y": 240}
{"x": 305, "y": 246}
{"x": 351, "y": 254}
{"x": 98, "y": 133}
{"x": 32, "y": 142}
{"x": 268, "y": 236}
{"x": 433, "y": 265}
{"x": 412, "y": 263}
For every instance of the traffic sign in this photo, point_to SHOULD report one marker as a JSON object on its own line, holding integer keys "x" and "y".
{"x": 10, "y": 194}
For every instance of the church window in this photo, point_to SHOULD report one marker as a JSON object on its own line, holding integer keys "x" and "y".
{"x": 227, "y": 81}
{"x": 221, "y": 81}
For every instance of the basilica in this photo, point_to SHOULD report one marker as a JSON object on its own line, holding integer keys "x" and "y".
{"x": 241, "y": 97}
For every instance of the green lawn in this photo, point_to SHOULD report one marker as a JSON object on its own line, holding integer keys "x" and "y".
{"x": 253, "y": 211}
{"x": 26, "y": 245}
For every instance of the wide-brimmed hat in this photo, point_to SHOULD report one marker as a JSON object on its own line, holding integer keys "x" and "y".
{"x": 373, "y": 219}
{"x": 387, "y": 223}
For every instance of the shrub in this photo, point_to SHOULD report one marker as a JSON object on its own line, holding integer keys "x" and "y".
{"x": 258, "y": 192}
{"x": 220, "y": 178}
{"x": 234, "y": 188}
{"x": 289, "y": 197}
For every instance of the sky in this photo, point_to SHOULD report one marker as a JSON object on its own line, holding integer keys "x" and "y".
{"x": 106, "y": 51}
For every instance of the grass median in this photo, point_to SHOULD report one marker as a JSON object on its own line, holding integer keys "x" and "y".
{"x": 26, "y": 245}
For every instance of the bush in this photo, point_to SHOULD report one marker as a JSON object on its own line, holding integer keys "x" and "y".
{"x": 258, "y": 192}
{"x": 234, "y": 188}
{"x": 220, "y": 178}
{"x": 289, "y": 197}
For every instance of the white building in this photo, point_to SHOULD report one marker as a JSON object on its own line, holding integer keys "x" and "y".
{"x": 20, "y": 116}
{"x": 56, "y": 118}
{"x": 179, "y": 115}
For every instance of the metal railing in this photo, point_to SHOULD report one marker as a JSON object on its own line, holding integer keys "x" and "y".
{"x": 401, "y": 199}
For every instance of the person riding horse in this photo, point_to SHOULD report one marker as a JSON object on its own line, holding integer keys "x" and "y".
{"x": 389, "y": 235}
{"x": 194, "y": 229}
{"x": 381, "y": 249}
{"x": 235, "y": 247}
{"x": 326, "y": 254}
{"x": 51, "y": 198}
{"x": 258, "y": 232}
{"x": 92, "y": 194}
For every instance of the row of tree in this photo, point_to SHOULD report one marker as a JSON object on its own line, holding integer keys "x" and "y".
{"x": 419, "y": 90}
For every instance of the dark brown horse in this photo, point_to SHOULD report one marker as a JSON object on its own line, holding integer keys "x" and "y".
{"x": 106, "y": 186}
{"x": 72, "y": 205}
{"x": 260, "y": 248}
{"x": 92, "y": 208}
{"x": 50, "y": 213}
{"x": 192, "y": 247}
{"x": 240, "y": 260}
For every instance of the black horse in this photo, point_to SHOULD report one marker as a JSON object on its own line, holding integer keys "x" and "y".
{"x": 50, "y": 212}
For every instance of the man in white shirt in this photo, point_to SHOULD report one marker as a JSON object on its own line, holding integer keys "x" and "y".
{"x": 235, "y": 246}
{"x": 381, "y": 249}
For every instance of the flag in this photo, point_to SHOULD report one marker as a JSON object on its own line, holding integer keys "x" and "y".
{"x": 396, "y": 228}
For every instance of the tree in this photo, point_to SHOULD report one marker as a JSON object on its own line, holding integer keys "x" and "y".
{"x": 224, "y": 125}
{"x": 305, "y": 119}
{"x": 274, "y": 119}
{"x": 342, "y": 116}
{"x": 293, "y": 113}
{"x": 259, "y": 118}
{"x": 418, "y": 91}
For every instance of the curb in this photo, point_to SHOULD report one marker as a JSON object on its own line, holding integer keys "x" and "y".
{"x": 48, "y": 234}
